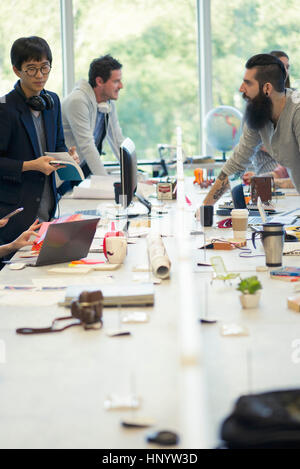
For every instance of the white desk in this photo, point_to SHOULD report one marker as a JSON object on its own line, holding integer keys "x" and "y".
{"x": 53, "y": 386}
{"x": 265, "y": 359}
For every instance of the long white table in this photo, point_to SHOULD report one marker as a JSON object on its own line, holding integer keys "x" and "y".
{"x": 267, "y": 358}
{"x": 53, "y": 386}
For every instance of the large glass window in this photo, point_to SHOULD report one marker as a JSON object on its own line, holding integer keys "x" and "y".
{"x": 241, "y": 29}
{"x": 29, "y": 18}
{"x": 156, "y": 43}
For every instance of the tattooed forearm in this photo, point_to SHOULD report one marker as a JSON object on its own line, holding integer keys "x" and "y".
{"x": 218, "y": 189}
{"x": 224, "y": 187}
{"x": 222, "y": 176}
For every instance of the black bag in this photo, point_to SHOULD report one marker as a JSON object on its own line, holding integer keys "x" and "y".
{"x": 267, "y": 420}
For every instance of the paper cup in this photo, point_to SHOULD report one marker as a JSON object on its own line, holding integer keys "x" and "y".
{"x": 239, "y": 218}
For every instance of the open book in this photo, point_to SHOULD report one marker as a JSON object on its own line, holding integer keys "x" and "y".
{"x": 72, "y": 171}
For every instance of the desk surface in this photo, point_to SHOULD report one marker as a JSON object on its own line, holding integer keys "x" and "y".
{"x": 53, "y": 386}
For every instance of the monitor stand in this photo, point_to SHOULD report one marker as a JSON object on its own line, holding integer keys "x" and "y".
{"x": 144, "y": 202}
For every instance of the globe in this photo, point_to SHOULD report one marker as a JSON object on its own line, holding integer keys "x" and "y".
{"x": 223, "y": 127}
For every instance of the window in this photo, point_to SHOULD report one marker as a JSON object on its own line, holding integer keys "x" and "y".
{"x": 29, "y": 18}
{"x": 241, "y": 29}
{"x": 157, "y": 44}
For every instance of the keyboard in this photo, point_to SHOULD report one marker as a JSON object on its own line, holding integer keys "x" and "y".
{"x": 256, "y": 220}
{"x": 251, "y": 207}
{"x": 284, "y": 218}
{"x": 93, "y": 213}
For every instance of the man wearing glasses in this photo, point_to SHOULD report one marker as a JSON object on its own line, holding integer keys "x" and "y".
{"x": 30, "y": 124}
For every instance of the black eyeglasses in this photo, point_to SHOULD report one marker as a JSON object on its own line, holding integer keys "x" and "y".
{"x": 32, "y": 71}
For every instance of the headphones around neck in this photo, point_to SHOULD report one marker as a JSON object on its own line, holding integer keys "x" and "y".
{"x": 41, "y": 102}
{"x": 104, "y": 107}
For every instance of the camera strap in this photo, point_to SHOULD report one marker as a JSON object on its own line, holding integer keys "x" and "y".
{"x": 52, "y": 328}
{"x": 86, "y": 312}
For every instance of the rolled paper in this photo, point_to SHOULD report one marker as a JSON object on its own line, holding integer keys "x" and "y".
{"x": 158, "y": 258}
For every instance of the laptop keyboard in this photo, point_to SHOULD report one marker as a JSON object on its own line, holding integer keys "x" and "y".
{"x": 256, "y": 220}
{"x": 285, "y": 219}
{"x": 93, "y": 213}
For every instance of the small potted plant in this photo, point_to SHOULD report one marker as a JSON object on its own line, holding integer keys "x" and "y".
{"x": 250, "y": 288}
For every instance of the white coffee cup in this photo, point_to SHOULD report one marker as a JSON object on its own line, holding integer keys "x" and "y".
{"x": 239, "y": 219}
{"x": 116, "y": 249}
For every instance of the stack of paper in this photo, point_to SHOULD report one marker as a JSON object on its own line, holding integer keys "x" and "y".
{"x": 97, "y": 187}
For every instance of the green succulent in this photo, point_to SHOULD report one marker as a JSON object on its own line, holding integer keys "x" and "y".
{"x": 249, "y": 285}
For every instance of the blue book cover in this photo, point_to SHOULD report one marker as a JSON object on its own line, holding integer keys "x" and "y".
{"x": 72, "y": 171}
{"x": 286, "y": 271}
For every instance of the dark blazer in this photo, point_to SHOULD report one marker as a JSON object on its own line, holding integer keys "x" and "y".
{"x": 18, "y": 143}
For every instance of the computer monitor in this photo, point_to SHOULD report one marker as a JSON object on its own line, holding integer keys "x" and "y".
{"x": 128, "y": 165}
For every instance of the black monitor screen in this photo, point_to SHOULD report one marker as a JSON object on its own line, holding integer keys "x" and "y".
{"x": 128, "y": 165}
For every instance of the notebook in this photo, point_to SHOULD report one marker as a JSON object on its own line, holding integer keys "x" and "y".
{"x": 65, "y": 242}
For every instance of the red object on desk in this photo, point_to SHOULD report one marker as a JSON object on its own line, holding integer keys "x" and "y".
{"x": 226, "y": 223}
{"x": 87, "y": 262}
{"x": 188, "y": 200}
{"x": 110, "y": 233}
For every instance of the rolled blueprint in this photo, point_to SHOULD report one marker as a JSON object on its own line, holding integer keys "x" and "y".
{"x": 158, "y": 257}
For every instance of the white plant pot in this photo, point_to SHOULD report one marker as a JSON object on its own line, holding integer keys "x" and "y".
{"x": 250, "y": 301}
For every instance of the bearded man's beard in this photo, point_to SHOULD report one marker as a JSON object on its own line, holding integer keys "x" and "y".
{"x": 258, "y": 111}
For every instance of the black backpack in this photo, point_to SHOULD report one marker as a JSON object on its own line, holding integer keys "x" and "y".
{"x": 266, "y": 420}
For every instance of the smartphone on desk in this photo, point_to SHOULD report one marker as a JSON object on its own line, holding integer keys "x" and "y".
{"x": 12, "y": 214}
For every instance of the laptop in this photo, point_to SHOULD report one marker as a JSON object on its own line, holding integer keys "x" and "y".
{"x": 286, "y": 218}
{"x": 65, "y": 242}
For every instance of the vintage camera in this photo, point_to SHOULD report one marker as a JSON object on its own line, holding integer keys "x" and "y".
{"x": 88, "y": 308}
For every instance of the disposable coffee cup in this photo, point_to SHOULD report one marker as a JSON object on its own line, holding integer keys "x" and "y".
{"x": 239, "y": 219}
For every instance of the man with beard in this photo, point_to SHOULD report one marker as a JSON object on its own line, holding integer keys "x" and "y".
{"x": 272, "y": 118}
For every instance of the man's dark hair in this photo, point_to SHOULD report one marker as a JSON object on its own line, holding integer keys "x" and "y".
{"x": 269, "y": 69}
{"x": 102, "y": 67}
{"x": 281, "y": 53}
{"x": 29, "y": 48}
